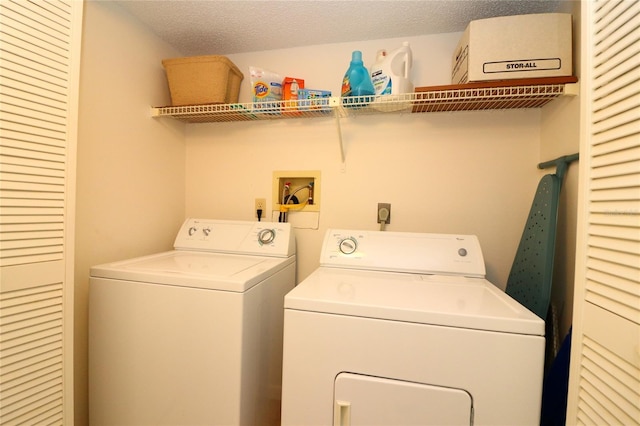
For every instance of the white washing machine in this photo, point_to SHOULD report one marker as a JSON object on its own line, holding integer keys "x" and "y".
{"x": 192, "y": 336}
{"x": 403, "y": 329}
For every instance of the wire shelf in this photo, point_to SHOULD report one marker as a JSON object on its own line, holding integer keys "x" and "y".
{"x": 469, "y": 97}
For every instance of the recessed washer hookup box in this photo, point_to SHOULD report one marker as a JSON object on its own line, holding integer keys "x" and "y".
{"x": 509, "y": 47}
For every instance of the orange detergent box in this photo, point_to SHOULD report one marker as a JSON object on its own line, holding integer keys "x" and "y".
{"x": 290, "y": 87}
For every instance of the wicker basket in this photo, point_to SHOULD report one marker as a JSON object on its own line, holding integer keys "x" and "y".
{"x": 203, "y": 80}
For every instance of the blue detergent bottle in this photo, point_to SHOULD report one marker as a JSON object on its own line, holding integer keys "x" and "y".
{"x": 357, "y": 80}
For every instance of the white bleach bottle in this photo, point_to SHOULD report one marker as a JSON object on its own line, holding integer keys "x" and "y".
{"x": 391, "y": 72}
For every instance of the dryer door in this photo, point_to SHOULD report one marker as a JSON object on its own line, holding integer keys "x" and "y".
{"x": 374, "y": 401}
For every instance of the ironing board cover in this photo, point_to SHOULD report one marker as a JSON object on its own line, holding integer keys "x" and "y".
{"x": 531, "y": 274}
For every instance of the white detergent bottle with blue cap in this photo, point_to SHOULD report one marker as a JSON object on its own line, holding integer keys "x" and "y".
{"x": 391, "y": 72}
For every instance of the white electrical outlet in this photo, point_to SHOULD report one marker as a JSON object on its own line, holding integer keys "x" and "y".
{"x": 260, "y": 204}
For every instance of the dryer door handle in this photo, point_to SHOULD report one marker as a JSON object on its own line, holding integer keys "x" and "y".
{"x": 342, "y": 413}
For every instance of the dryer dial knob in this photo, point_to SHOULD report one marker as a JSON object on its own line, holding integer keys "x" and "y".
{"x": 348, "y": 245}
{"x": 192, "y": 230}
{"x": 266, "y": 236}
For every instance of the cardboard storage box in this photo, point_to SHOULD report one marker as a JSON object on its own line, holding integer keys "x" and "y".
{"x": 508, "y": 47}
{"x": 203, "y": 80}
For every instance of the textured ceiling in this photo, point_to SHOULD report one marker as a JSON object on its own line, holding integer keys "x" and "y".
{"x": 235, "y": 26}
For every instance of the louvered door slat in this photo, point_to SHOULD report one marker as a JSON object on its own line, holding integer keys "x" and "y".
{"x": 605, "y": 361}
{"x": 620, "y": 104}
{"x": 30, "y": 227}
{"x": 613, "y": 43}
{"x": 50, "y": 178}
{"x": 628, "y": 272}
{"x": 616, "y": 145}
{"x": 43, "y": 186}
{"x": 48, "y": 139}
{"x": 17, "y": 387}
{"x": 56, "y": 9}
{"x": 34, "y": 255}
{"x": 42, "y": 23}
{"x": 620, "y": 370}
{"x": 49, "y": 319}
{"x": 617, "y": 257}
{"x": 23, "y": 162}
{"x": 28, "y": 170}
{"x": 49, "y": 123}
{"x": 612, "y": 70}
{"x": 607, "y": 414}
{"x": 588, "y": 415}
{"x": 40, "y": 46}
{"x": 607, "y": 15}
{"x": 617, "y": 233}
{"x": 38, "y": 333}
{"x": 43, "y": 401}
{"x": 25, "y": 200}
{"x": 616, "y": 245}
{"x": 621, "y": 169}
{"x": 629, "y": 193}
{"x": 627, "y": 130}
{"x": 34, "y": 144}
{"x": 38, "y": 386}
{"x": 17, "y": 153}
{"x": 35, "y": 220}
{"x": 38, "y": 246}
{"x": 609, "y": 391}
{"x": 49, "y": 85}
{"x": 27, "y": 97}
{"x": 618, "y": 118}
{"x": 32, "y": 32}
{"x": 623, "y": 180}
{"x": 47, "y": 418}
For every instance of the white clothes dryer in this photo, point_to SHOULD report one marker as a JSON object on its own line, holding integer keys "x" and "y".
{"x": 403, "y": 329}
{"x": 192, "y": 336}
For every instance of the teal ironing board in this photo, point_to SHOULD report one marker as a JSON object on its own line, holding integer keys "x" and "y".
{"x": 531, "y": 274}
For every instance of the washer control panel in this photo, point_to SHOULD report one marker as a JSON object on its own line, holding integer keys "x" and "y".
{"x": 348, "y": 245}
{"x": 403, "y": 252}
{"x": 238, "y": 237}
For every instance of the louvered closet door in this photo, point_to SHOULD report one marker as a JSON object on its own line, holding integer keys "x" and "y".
{"x": 39, "y": 67}
{"x": 605, "y": 359}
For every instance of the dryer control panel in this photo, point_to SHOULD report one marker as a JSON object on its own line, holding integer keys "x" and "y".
{"x": 446, "y": 254}
{"x": 238, "y": 237}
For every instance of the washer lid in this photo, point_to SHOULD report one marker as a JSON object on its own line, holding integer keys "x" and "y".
{"x": 452, "y": 301}
{"x": 214, "y": 271}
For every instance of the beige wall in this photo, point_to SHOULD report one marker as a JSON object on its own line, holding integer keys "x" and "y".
{"x": 561, "y": 136}
{"x": 467, "y": 172}
{"x": 138, "y": 177}
{"x": 439, "y": 174}
{"x": 130, "y": 178}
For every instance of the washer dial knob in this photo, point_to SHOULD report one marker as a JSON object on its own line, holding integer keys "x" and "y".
{"x": 348, "y": 245}
{"x": 266, "y": 236}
